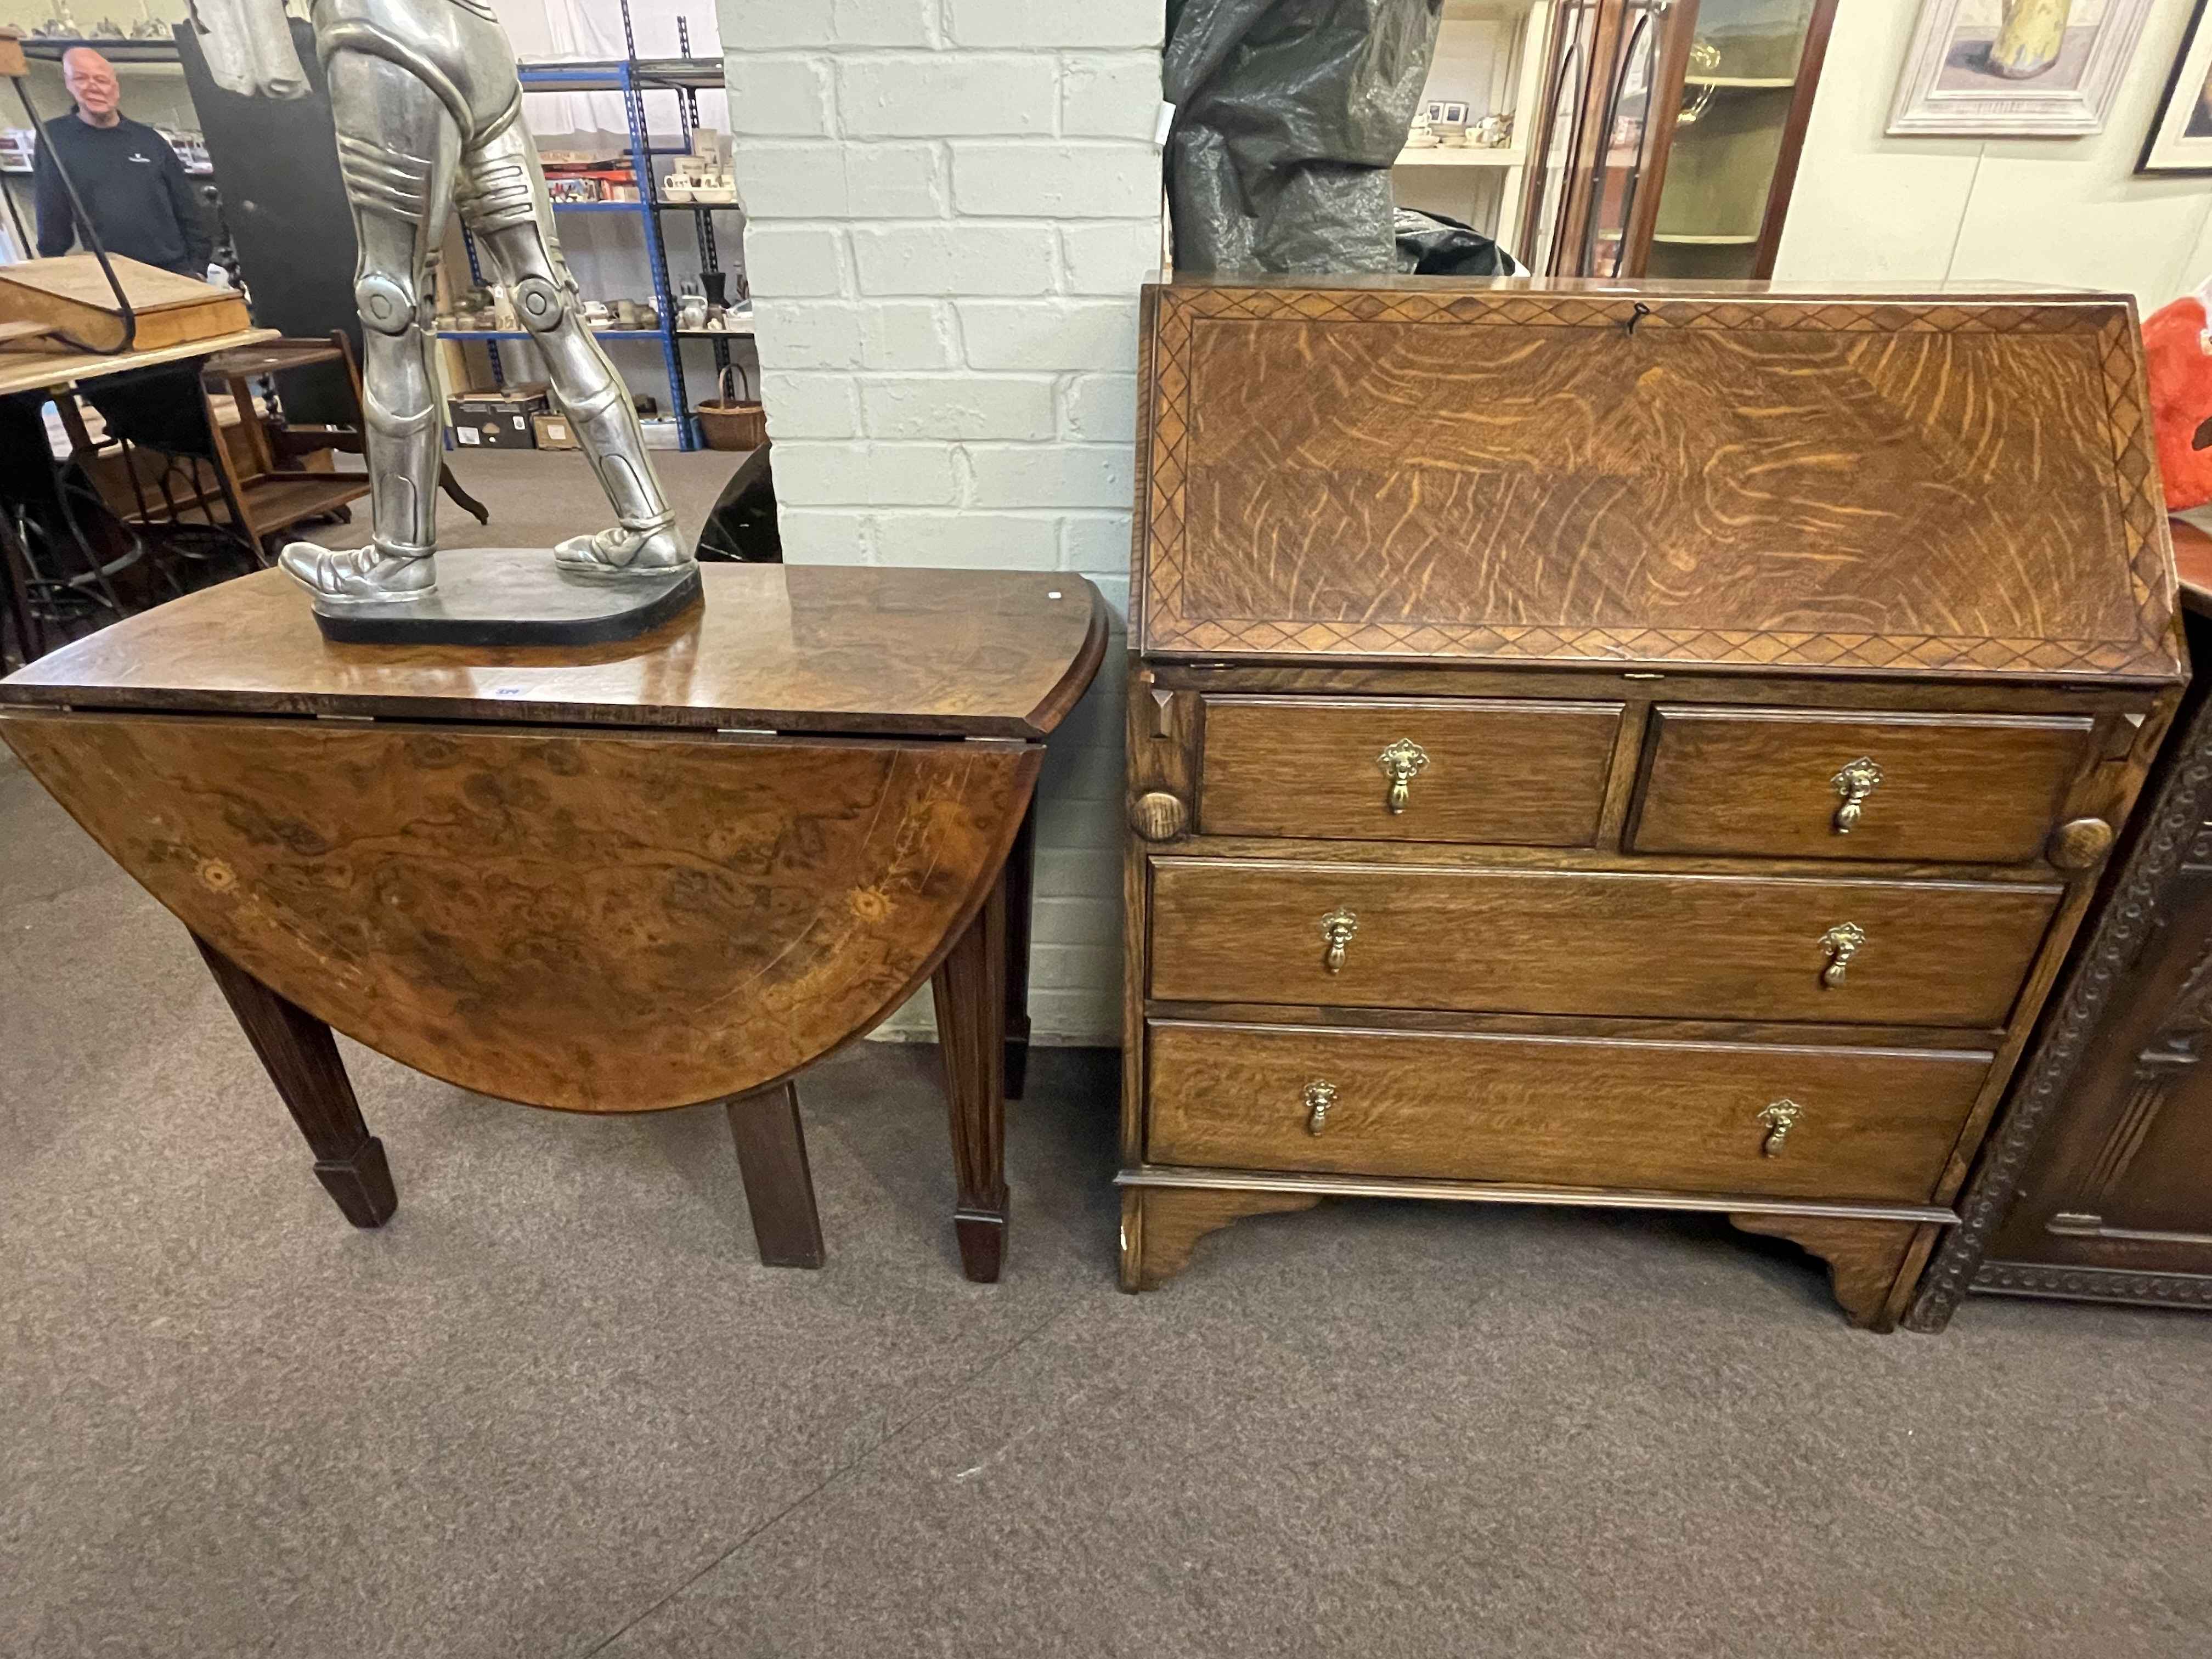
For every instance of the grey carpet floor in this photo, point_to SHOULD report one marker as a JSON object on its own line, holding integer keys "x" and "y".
{"x": 555, "y": 1408}
{"x": 538, "y": 497}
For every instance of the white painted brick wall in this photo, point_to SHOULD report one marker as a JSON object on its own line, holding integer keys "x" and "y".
{"x": 950, "y": 204}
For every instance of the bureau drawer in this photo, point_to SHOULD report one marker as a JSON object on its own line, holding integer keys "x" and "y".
{"x": 1786, "y": 1121}
{"x": 1579, "y": 942}
{"x": 1971, "y": 788}
{"x": 1517, "y": 773}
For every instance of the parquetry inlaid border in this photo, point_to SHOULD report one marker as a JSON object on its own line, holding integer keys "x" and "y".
{"x": 1163, "y": 627}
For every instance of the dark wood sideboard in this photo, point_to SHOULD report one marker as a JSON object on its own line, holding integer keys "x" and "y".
{"x": 2097, "y": 1183}
{"x": 1607, "y": 746}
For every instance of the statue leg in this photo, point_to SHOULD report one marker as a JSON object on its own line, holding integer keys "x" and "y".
{"x": 503, "y": 198}
{"x": 398, "y": 147}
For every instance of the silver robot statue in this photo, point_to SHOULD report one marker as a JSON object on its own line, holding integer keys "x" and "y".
{"x": 428, "y": 110}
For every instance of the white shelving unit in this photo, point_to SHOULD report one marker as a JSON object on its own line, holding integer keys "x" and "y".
{"x": 1498, "y": 46}
{"x": 1467, "y": 156}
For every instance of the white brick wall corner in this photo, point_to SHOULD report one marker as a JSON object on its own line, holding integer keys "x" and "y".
{"x": 950, "y": 204}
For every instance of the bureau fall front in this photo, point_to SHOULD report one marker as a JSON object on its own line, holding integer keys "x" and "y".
{"x": 1613, "y": 747}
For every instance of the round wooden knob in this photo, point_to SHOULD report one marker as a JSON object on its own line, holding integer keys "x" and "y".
{"x": 1158, "y": 816}
{"x": 2079, "y": 843}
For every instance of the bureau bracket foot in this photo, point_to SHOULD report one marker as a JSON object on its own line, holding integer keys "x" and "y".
{"x": 1864, "y": 1258}
{"x": 1160, "y": 1225}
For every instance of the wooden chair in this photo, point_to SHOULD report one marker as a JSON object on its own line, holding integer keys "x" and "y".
{"x": 296, "y": 445}
{"x": 183, "y": 469}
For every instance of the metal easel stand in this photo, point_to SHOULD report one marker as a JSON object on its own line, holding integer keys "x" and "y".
{"x": 86, "y": 234}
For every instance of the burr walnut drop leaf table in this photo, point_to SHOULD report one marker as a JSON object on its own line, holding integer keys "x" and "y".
{"x": 620, "y": 878}
{"x": 1646, "y": 747}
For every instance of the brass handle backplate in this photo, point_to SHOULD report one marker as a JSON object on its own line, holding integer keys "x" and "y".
{"x": 1842, "y": 943}
{"x": 1779, "y": 1117}
{"x": 1337, "y": 928}
{"x": 1859, "y": 779}
{"x": 1400, "y": 762}
{"x": 1320, "y": 1097}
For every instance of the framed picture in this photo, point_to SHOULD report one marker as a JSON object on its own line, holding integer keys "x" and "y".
{"x": 2180, "y": 136}
{"x": 2020, "y": 68}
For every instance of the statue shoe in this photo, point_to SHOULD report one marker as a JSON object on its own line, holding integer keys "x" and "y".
{"x": 622, "y": 551}
{"x": 367, "y": 575}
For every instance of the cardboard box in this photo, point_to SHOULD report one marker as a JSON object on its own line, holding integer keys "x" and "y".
{"x": 524, "y": 397}
{"x": 498, "y": 419}
{"x": 554, "y": 432}
{"x": 510, "y": 432}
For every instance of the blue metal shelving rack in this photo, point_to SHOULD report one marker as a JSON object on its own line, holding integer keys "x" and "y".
{"x": 633, "y": 77}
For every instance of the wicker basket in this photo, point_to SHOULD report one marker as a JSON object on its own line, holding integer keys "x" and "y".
{"x": 730, "y": 422}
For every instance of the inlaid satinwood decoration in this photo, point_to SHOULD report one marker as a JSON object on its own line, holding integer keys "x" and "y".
{"x": 1932, "y": 484}
{"x": 593, "y": 921}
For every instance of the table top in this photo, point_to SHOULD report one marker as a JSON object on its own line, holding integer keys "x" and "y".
{"x": 57, "y": 371}
{"x": 842, "y": 648}
{"x": 275, "y": 357}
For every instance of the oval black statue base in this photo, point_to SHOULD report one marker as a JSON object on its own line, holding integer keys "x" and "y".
{"x": 515, "y": 595}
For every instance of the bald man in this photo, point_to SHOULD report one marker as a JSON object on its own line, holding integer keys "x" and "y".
{"x": 130, "y": 181}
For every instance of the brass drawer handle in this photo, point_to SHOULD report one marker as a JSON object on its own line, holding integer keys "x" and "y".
{"x": 1779, "y": 1117}
{"x": 1320, "y": 1097}
{"x": 1859, "y": 779}
{"x": 1399, "y": 762}
{"x": 1337, "y": 928}
{"x": 1842, "y": 943}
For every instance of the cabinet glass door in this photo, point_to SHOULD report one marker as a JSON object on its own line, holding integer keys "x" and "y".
{"x": 1739, "y": 88}
{"x": 1554, "y": 169}
{"x": 1622, "y": 144}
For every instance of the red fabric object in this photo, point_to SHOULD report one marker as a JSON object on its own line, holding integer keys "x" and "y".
{"x": 2181, "y": 399}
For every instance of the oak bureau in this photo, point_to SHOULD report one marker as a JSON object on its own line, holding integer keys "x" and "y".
{"x": 1641, "y": 747}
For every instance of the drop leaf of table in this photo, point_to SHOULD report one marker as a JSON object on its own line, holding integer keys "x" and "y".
{"x": 628, "y": 878}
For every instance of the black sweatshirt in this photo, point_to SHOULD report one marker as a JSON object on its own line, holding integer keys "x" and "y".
{"x": 132, "y": 184}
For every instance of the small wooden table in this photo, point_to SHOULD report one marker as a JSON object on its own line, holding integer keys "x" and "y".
{"x": 670, "y": 872}
{"x": 30, "y": 370}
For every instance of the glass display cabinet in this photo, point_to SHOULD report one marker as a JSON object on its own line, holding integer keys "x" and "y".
{"x": 1669, "y": 133}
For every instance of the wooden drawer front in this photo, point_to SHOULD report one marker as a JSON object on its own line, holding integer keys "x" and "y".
{"x": 1972, "y": 788}
{"x": 1546, "y": 942}
{"x": 1796, "y": 1122}
{"x": 1523, "y": 774}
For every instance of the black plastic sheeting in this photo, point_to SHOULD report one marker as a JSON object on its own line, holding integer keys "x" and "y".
{"x": 1431, "y": 245}
{"x": 1288, "y": 116}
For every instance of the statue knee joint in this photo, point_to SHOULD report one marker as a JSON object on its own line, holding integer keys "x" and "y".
{"x": 386, "y": 304}
{"x": 539, "y": 302}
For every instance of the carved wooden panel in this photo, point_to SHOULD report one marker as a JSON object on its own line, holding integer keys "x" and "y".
{"x": 2117, "y": 1062}
{"x": 1919, "y": 484}
{"x": 593, "y": 921}
{"x": 2122, "y": 1182}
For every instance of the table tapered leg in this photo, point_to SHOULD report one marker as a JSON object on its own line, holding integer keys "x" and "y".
{"x": 301, "y": 1058}
{"x": 970, "y": 992}
{"x": 1021, "y": 882}
{"x": 780, "y": 1191}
